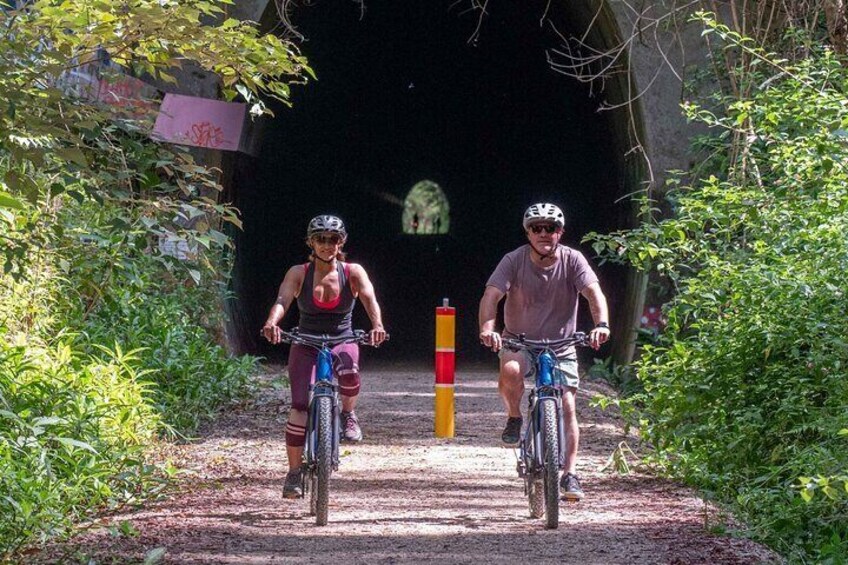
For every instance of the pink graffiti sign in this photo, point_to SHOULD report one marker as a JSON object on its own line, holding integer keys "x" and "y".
{"x": 200, "y": 122}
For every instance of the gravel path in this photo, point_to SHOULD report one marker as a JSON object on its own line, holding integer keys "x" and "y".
{"x": 403, "y": 496}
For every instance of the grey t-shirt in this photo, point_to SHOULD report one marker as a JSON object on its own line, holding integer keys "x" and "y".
{"x": 542, "y": 302}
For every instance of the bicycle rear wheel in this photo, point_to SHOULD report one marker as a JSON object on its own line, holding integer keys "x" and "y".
{"x": 550, "y": 450}
{"x": 323, "y": 459}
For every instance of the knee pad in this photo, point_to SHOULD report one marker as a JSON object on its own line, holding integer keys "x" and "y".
{"x": 349, "y": 382}
{"x": 295, "y": 435}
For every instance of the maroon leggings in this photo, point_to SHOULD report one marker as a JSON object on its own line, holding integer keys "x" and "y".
{"x": 302, "y": 361}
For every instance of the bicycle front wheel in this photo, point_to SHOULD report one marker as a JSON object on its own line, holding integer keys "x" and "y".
{"x": 550, "y": 435}
{"x": 536, "y": 496}
{"x": 323, "y": 459}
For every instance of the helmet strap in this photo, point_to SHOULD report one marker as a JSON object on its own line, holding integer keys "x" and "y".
{"x": 330, "y": 262}
{"x": 542, "y": 257}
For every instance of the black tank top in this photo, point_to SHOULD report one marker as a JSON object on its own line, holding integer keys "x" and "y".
{"x": 333, "y": 317}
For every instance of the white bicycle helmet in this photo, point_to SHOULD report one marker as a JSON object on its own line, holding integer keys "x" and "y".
{"x": 326, "y": 224}
{"x": 543, "y": 212}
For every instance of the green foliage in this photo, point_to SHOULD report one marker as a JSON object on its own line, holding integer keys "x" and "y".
{"x": 71, "y": 431}
{"x": 426, "y": 209}
{"x": 106, "y": 338}
{"x": 57, "y": 146}
{"x": 746, "y": 391}
{"x": 76, "y": 412}
{"x": 173, "y": 324}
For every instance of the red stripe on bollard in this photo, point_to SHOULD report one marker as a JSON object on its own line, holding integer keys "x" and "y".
{"x": 445, "y": 366}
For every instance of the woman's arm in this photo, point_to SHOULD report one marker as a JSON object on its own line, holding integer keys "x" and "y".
{"x": 361, "y": 286}
{"x": 289, "y": 289}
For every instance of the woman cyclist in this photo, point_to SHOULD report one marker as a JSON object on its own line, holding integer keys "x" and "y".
{"x": 326, "y": 288}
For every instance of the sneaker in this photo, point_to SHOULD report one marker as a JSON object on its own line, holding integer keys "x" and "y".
{"x": 569, "y": 486}
{"x": 293, "y": 487}
{"x": 512, "y": 432}
{"x": 350, "y": 427}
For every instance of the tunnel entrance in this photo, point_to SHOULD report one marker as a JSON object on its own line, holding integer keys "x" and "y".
{"x": 403, "y": 95}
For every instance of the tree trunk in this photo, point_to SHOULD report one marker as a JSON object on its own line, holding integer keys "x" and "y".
{"x": 836, "y": 12}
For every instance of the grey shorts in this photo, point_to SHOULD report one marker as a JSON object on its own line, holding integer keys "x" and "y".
{"x": 565, "y": 371}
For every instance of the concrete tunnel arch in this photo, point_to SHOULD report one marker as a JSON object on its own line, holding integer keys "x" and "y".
{"x": 402, "y": 96}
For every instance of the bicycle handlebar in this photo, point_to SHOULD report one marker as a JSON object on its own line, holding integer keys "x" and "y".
{"x": 320, "y": 341}
{"x": 579, "y": 339}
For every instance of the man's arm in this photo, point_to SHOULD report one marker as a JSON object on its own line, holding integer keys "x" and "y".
{"x": 486, "y": 317}
{"x": 289, "y": 289}
{"x": 600, "y": 334}
{"x": 362, "y": 286}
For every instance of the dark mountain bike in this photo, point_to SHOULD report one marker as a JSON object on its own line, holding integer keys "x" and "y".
{"x": 542, "y": 448}
{"x": 321, "y": 452}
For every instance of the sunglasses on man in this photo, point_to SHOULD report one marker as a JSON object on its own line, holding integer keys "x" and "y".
{"x": 324, "y": 239}
{"x": 547, "y": 228}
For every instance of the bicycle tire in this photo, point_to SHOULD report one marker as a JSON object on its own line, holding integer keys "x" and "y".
{"x": 534, "y": 483}
{"x": 550, "y": 449}
{"x": 323, "y": 459}
{"x": 536, "y": 497}
{"x": 313, "y": 492}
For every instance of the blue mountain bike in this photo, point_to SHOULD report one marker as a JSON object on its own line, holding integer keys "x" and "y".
{"x": 542, "y": 448}
{"x": 321, "y": 452}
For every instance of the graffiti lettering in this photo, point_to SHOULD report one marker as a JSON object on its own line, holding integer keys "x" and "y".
{"x": 206, "y": 134}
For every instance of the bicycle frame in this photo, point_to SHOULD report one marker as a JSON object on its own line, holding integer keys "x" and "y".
{"x": 542, "y": 392}
{"x": 324, "y": 386}
{"x": 530, "y": 462}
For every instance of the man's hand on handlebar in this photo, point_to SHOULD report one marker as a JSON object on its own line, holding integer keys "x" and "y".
{"x": 598, "y": 336}
{"x": 271, "y": 332}
{"x": 491, "y": 339}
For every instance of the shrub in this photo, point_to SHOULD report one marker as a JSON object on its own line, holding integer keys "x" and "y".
{"x": 72, "y": 428}
{"x": 747, "y": 390}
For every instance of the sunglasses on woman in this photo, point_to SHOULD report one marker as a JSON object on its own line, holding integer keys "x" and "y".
{"x": 547, "y": 228}
{"x": 331, "y": 239}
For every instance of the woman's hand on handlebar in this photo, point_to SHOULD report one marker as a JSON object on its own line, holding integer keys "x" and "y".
{"x": 377, "y": 336}
{"x": 492, "y": 340}
{"x": 271, "y": 332}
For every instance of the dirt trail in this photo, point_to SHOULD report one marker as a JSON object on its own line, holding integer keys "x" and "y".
{"x": 403, "y": 496}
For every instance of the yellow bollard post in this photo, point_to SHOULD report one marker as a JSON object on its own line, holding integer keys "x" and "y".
{"x": 445, "y": 367}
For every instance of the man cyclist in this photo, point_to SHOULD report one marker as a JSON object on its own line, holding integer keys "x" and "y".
{"x": 542, "y": 281}
{"x": 326, "y": 289}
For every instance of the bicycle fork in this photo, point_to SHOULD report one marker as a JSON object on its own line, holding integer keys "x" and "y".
{"x": 531, "y": 456}
{"x": 322, "y": 390}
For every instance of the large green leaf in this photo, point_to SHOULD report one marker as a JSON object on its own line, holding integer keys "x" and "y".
{"x": 8, "y": 201}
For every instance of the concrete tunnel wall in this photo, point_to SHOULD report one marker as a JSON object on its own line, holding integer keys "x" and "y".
{"x": 301, "y": 171}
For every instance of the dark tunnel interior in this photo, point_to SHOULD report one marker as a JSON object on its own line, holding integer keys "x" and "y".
{"x": 402, "y": 95}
